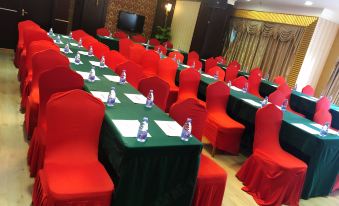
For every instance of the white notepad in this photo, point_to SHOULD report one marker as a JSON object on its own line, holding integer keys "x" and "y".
{"x": 112, "y": 78}
{"x": 331, "y": 131}
{"x": 306, "y": 128}
{"x": 96, "y": 64}
{"x": 86, "y": 74}
{"x": 58, "y": 42}
{"x": 207, "y": 75}
{"x": 74, "y": 44}
{"x": 66, "y": 37}
{"x": 137, "y": 98}
{"x": 83, "y": 53}
{"x": 170, "y": 128}
{"x": 252, "y": 102}
{"x": 236, "y": 88}
{"x": 103, "y": 96}
{"x": 128, "y": 128}
{"x": 73, "y": 59}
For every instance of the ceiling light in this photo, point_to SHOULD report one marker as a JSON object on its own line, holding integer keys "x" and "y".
{"x": 308, "y": 3}
{"x": 248, "y": 0}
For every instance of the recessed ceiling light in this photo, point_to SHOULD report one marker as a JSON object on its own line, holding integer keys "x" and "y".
{"x": 248, "y": 0}
{"x": 308, "y": 3}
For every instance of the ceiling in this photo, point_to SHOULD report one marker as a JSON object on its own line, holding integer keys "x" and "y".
{"x": 316, "y": 3}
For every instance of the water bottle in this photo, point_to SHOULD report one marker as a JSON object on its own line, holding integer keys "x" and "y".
{"x": 284, "y": 105}
{"x": 147, "y": 45}
{"x": 58, "y": 39}
{"x": 186, "y": 130}
{"x": 244, "y": 90}
{"x": 66, "y": 49}
{"x": 216, "y": 75}
{"x": 70, "y": 35}
{"x": 90, "y": 51}
{"x": 150, "y": 99}
{"x": 330, "y": 98}
{"x": 324, "y": 129}
{"x": 77, "y": 59}
{"x": 102, "y": 62}
{"x": 166, "y": 45}
{"x": 111, "y": 97}
{"x": 123, "y": 77}
{"x": 295, "y": 87}
{"x": 50, "y": 33}
{"x": 143, "y": 129}
{"x": 193, "y": 65}
{"x": 91, "y": 76}
{"x": 110, "y": 35}
{"x": 229, "y": 84}
{"x": 264, "y": 102}
{"x": 267, "y": 76}
{"x": 158, "y": 51}
{"x": 80, "y": 42}
{"x": 175, "y": 58}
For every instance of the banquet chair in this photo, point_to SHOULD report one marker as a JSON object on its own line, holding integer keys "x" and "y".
{"x": 279, "y": 80}
{"x": 154, "y": 42}
{"x": 72, "y": 174}
{"x": 57, "y": 79}
{"x": 41, "y": 62}
{"x": 124, "y": 45}
{"x": 120, "y": 35}
{"x": 88, "y": 41}
{"x": 231, "y": 73}
{"x": 323, "y": 104}
{"x": 256, "y": 71}
{"x": 100, "y": 50}
{"x": 139, "y": 38}
{"x": 178, "y": 56}
{"x": 286, "y": 90}
{"x": 136, "y": 52}
{"x": 322, "y": 116}
{"x": 196, "y": 62}
{"x": 160, "y": 90}
{"x": 77, "y": 34}
{"x": 254, "y": 81}
{"x": 189, "y": 80}
{"x": 133, "y": 72}
{"x": 114, "y": 58}
{"x": 193, "y": 55}
{"x": 271, "y": 175}
{"x": 277, "y": 98}
{"x": 221, "y": 130}
{"x": 210, "y": 63}
{"x": 234, "y": 63}
{"x": 239, "y": 82}
{"x": 167, "y": 70}
{"x": 308, "y": 90}
{"x": 149, "y": 62}
{"x": 220, "y": 59}
{"x": 102, "y": 31}
{"x": 168, "y": 44}
{"x": 216, "y": 69}
{"x": 160, "y": 48}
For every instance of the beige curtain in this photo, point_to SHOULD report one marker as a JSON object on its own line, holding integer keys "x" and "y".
{"x": 270, "y": 46}
{"x": 332, "y": 88}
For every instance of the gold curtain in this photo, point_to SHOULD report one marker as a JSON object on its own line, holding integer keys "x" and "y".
{"x": 270, "y": 46}
{"x": 332, "y": 88}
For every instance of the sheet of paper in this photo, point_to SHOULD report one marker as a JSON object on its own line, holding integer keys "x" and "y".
{"x": 72, "y": 61}
{"x": 136, "y": 98}
{"x": 65, "y": 36}
{"x": 306, "y": 128}
{"x": 207, "y": 75}
{"x": 128, "y": 128}
{"x": 63, "y": 50}
{"x": 74, "y": 44}
{"x": 83, "y": 53}
{"x": 252, "y": 102}
{"x": 309, "y": 98}
{"x": 236, "y": 88}
{"x": 170, "y": 128}
{"x": 112, "y": 78}
{"x": 96, "y": 64}
{"x": 86, "y": 74}
{"x": 59, "y": 42}
{"x": 331, "y": 131}
{"x": 103, "y": 96}
{"x": 184, "y": 65}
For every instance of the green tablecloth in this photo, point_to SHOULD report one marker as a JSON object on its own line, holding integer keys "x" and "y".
{"x": 161, "y": 171}
{"x": 320, "y": 153}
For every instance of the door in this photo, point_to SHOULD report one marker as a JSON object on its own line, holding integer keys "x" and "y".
{"x": 39, "y": 11}
{"x": 9, "y": 16}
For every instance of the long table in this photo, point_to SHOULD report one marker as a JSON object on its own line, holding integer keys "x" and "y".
{"x": 159, "y": 172}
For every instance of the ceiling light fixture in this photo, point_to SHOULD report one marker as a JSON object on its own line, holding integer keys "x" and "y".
{"x": 308, "y": 3}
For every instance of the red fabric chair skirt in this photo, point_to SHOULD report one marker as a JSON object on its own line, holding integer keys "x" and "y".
{"x": 36, "y": 151}
{"x": 31, "y": 114}
{"x": 273, "y": 181}
{"x": 211, "y": 183}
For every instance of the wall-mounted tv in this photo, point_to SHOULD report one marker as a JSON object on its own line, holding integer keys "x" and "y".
{"x": 130, "y": 22}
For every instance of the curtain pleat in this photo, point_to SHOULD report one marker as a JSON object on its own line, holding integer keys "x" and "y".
{"x": 332, "y": 88}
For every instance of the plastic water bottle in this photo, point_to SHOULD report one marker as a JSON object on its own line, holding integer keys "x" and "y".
{"x": 91, "y": 76}
{"x": 267, "y": 76}
{"x": 178, "y": 61}
{"x": 264, "y": 102}
{"x": 324, "y": 129}
{"x": 102, "y": 62}
{"x": 186, "y": 130}
{"x": 70, "y": 35}
{"x": 147, "y": 45}
{"x": 165, "y": 45}
{"x": 284, "y": 105}
{"x": 244, "y": 90}
{"x": 158, "y": 50}
{"x": 150, "y": 99}
{"x": 77, "y": 59}
{"x": 123, "y": 77}
{"x": 229, "y": 84}
{"x": 193, "y": 65}
{"x": 80, "y": 42}
{"x": 111, "y": 97}
{"x": 110, "y": 35}
{"x": 50, "y": 32}
{"x": 295, "y": 87}
{"x": 216, "y": 75}
{"x": 66, "y": 49}
{"x": 90, "y": 51}
{"x": 58, "y": 39}
{"x": 143, "y": 130}
{"x": 175, "y": 58}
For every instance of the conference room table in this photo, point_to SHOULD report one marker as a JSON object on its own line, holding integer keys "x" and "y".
{"x": 163, "y": 170}
{"x": 299, "y": 136}
{"x": 113, "y": 44}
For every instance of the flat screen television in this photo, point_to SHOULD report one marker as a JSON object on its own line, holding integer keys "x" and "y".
{"x": 130, "y": 22}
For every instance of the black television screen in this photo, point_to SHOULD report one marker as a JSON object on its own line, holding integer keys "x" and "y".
{"x": 130, "y": 22}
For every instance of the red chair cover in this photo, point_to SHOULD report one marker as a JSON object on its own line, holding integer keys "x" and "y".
{"x": 41, "y": 62}
{"x": 167, "y": 70}
{"x": 308, "y": 89}
{"x": 221, "y": 130}
{"x": 231, "y": 73}
{"x": 154, "y": 42}
{"x": 336, "y": 184}
{"x": 177, "y": 56}
{"x": 150, "y": 62}
{"x": 124, "y": 45}
{"x": 210, "y": 62}
{"x": 133, "y": 72}
{"x": 120, "y": 35}
{"x": 100, "y": 50}
{"x": 239, "y": 82}
{"x": 136, "y": 52}
{"x": 58, "y": 79}
{"x": 234, "y": 63}
{"x": 88, "y": 41}
{"x": 220, "y": 59}
{"x": 139, "y": 38}
{"x": 279, "y": 80}
{"x": 254, "y": 81}
{"x": 216, "y": 69}
{"x": 256, "y": 71}
{"x": 159, "y": 87}
{"x": 160, "y": 48}
{"x": 103, "y": 32}
{"x": 277, "y": 98}
{"x": 168, "y": 44}
{"x": 189, "y": 81}
{"x": 72, "y": 174}
{"x": 322, "y": 116}
{"x": 271, "y": 175}
{"x": 323, "y": 104}
{"x": 113, "y": 59}
{"x": 196, "y": 62}
{"x": 77, "y": 34}
{"x": 193, "y": 55}
{"x": 286, "y": 90}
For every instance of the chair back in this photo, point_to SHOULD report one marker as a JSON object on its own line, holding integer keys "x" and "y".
{"x": 167, "y": 70}
{"x": 277, "y": 98}
{"x": 234, "y": 63}
{"x": 189, "y": 81}
{"x": 279, "y": 80}
{"x": 177, "y": 55}
{"x": 102, "y": 32}
{"x": 216, "y": 69}
{"x": 35, "y": 34}
{"x": 150, "y": 62}
{"x": 77, "y": 34}
{"x": 100, "y": 50}
{"x": 154, "y": 42}
{"x": 308, "y": 90}
{"x": 322, "y": 116}
{"x": 217, "y": 95}
{"x": 254, "y": 81}
{"x": 124, "y": 45}
{"x": 72, "y": 136}
{"x": 190, "y": 108}
{"x": 88, "y": 41}
{"x": 286, "y": 90}
{"x": 120, "y": 35}
{"x": 114, "y": 58}
{"x": 256, "y": 72}
{"x": 136, "y": 52}
{"x": 220, "y": 59}
{"x": 239, "y": 82}
{"x": 159, "y": 87}
{"x": 193, "y": 55}
{"x": 231, "y": 73}
{"x": 197, "y": 64}
{"x": 168, "y": 44}
{"x": 139, "y": 38}
{"x": 133, "y": 72}
{"x": 323, "y": 104}
{"x": 161, "y": 48}
{"x": 210, "y": 63}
